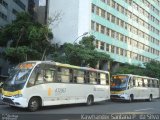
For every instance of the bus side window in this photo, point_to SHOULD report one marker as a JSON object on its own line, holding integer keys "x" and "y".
{"x": 157, "y": 84}
{"x": 143, "y": 84}
{"x": 130, "y": 82}
{"x": 64, "y": 75}
{"x": 92, "y": 78}
{"x": 86, "y": 76}
{"x": 58, "y": 74}
{"x": 98, "y": 78}
{"x": 154, "y": 83}
{"x": 40, "y": 79}
{"x": 71, "y": 75}
{"x": 149, "y": 83}
{"x": 49, "y": 76}
{"x": 134, "y": 81}
{"x": 32, "y": 78}
{"x": 107, "y": 79}
{"x": 102, "y": 79}
{"x": 139, "y": 82}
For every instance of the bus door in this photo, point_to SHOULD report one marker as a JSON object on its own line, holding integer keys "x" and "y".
{"x": 41, "y": 83}
{"x": 130, "y": 85}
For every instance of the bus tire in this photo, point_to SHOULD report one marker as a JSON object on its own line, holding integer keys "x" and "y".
{"x": 150, "y": 98}
{"x": 90, "y": 100}
{"x": 34, "y": 104}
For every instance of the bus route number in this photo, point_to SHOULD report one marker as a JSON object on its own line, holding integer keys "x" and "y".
{"x": 60, "y": 90}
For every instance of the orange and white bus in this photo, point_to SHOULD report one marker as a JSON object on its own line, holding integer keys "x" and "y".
{"x": 34, "y": 84}
{"x": 132, "y": 87}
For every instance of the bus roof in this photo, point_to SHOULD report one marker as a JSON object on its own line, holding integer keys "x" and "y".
{"x": 68, "y": 65}
{"x": 136, "y": 76}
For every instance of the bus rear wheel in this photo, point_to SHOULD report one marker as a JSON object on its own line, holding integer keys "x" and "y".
{"x": 89, "y": 100}
{"x": 33, "y": 104}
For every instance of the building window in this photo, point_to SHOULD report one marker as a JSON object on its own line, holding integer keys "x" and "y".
{"x": 4, "y": 3}
{"x": 112, "y": 49}
{"x": 97, "y": 27}
{"x": 103, "y": 13}
{"x": 14, "y": 12}
{"x": 3, "y": 16}
{"x": 102, "y": 46}
{"x": 93, "y": 8}
{"x": 20, "y": 4}
{"x": 92, "y": 25}
{"x": 117, "y": 50}
{"x": 97, "y": 10}
{"x": 102, "y": 29}
{"x": 107, "y": 47}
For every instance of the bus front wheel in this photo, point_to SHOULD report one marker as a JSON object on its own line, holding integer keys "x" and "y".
{"x": 33, "y": 104}
{"x": 90, "y": 100}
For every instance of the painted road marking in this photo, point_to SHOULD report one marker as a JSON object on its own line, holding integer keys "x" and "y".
{"x": 143, "y": 109}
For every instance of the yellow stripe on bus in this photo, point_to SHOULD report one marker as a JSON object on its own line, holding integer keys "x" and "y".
{"x": 117, "y": 92}
{"x": 8, "y": 93}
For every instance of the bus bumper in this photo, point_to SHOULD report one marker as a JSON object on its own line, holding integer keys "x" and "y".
{"x": 119, "y": 97}
{"x": 17, "y": 102}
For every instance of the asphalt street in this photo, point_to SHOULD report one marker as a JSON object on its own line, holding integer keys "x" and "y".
{"x": 68, "y": 111}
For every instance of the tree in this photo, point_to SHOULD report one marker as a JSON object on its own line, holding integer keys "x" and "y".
{"x": 153, "y": 69}
{"x": 29, "y": 39}
{"x": 130, "y": 69}
{"x": 81, "y": 54}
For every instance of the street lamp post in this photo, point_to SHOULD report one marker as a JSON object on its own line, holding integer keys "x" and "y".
{"x": 80, "y": 36}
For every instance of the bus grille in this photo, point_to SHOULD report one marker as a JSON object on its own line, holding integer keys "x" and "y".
{"x": 7, "y": 100}
{"x": 115, "y": 96}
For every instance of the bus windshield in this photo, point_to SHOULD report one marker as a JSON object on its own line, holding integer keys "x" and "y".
{"x": 119, "y": 82}
{"x": 18, "y": 76}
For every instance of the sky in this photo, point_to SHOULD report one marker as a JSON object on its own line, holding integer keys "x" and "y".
{"x": 42, "y": 2}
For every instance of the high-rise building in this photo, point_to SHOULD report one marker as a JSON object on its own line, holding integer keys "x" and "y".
{"x": 9, "y": 9}
{"x": 127, "y": 30}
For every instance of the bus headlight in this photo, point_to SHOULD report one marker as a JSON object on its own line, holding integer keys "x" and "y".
{"x": 18, "y": 95}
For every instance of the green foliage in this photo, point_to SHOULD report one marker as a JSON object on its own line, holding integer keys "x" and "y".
{"x": 28, "y": 38}
{"x": 87, "y": 42}
{"x": 153, "y": 69}
{"x": 81, "y": 54}
{"x": 22, "y": 53}
{"x": 130, "y": 69}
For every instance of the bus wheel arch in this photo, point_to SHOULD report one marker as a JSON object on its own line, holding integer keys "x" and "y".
{"x": 90, "y": 100}
{"x": 34, "y": 103}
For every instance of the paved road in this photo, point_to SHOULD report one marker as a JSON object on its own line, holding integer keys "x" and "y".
{"x": 137, "y": 107}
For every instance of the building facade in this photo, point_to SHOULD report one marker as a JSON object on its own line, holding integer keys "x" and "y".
{"x": 9, "y": 9}
{"x": 127, "y": 30}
